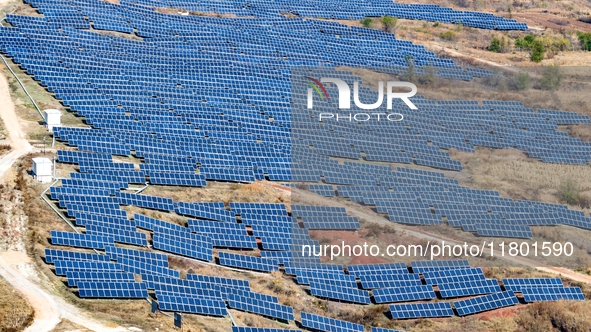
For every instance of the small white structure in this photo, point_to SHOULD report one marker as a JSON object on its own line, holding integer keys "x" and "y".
{"x": 52, "y": 118}
{"x": 42, "y": 169}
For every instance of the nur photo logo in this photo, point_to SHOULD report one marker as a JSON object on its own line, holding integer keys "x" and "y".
{"x": 344, "y": 92}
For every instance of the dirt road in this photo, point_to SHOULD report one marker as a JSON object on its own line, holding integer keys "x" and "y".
{"x": 49, "y": 310}
{"x": 17, "y": 138}
{"x": 355, "y": 210}
{"x": 16, "y": 266}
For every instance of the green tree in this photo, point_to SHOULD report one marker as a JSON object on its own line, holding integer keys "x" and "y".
{"x": 537, "y": 51}
{"x": 585, "y": 39}
{"x": 495, "y": 45}
{"x": 366, "y": 22}
{"x": 522, "y": 81}
{"x": 389, "y": 23}
{"x": 551, "y": 78}
{"x": 525, "y": 42}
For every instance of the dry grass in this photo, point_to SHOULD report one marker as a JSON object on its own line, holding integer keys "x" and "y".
{"x": 514, "y": 175}
{"x": 15, "y": 313}
{"x": 221, "y": 192}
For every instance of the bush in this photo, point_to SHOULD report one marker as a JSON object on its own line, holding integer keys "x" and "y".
{"x": 522, "y": 81}
{"x": 366, "y": 22}
{"x": 499, "y": 45}
{"x": 569, "y": 192}
{"x": 495, "y": 45}
{"x": 448, "y": 35}
{"x": 585, "y": 40}
{"x": 410, "y": 75}
{"x": 551, "y": 78}
{"x": 389, "y": 23}
{"x": 429, "y": 75}
{"x": 525, "y": 42}
{"x": 537, "y": 51}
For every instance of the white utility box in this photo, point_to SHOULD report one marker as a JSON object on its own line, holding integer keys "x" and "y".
{"x": 42, "y": 169}
{"x": 53, "y": 118}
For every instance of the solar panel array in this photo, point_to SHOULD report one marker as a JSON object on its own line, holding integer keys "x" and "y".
{"x": 421, "y": 310}
{"x": 209, "y": 99}
{"x": 321, "y": 323}
{"x": 485, "y": 303}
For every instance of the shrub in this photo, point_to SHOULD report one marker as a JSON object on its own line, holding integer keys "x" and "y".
{"x": 499, "y": 45}
{"x": 525, "y": 42}
{"x": 585, "y": 40}
{"x": 448, "y": 35}
{"x": 569, "y": 192}
{"x": 366, "y": 22}
{"x": 495, "y": 45}
{"x": 551, "y": 78}
{"x": 429, "y": 75}
{"x": 389, "y": 23}
{"x": 522, "y": 81}
{"x": 537, "y": 51}
{"x": 410, "y": 75}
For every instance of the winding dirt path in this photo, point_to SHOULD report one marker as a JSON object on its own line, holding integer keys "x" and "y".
{"x": 15, "y": 266}
{"x": 17, "y": 138}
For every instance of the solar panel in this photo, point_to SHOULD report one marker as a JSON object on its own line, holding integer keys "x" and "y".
{"x": 466, "y": 288}
{"x": 61, "y": 267}
{"x": 485, "y": 303}
{"x": 181, "y": 243}
{"x": 453, "y": 275}
{"x": 322, "y": 323}
{"x": 370, "y": 269}
{"x": 261, "y": 307}
{"x": 336, "y": 291}
{"x": 538, "y": 294}
{"x": 248, "y": 262}
{"x": 516, "y": 284}
{"x": 80, "y": 240}
{"x": 428, "y": 266}
{"x": 421, "y": 310}
{"x": 260, "y": 329}
{"x": 402, "y": 294}
{"x": 52, "y": 255}
{"x": 238, "y": 283}
{"x": 389, "y": 280}
{"x": 74, "y": 277}
{"x": 203, "y": 306}
{"x": 129, "y": 290}
{"x": 381, "y": 329}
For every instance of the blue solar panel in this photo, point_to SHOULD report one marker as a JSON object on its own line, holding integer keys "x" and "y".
{"x": 538, "y": 294}
{"x": 516, "y": 284}
{"x": 129, "y": 290}
{"x": 466, "y": 288}
{"x": 52, "y": 255}
{"x": 335, "y": 290}
{"x": 485, "y": 303}
{"x": 74, "y": 277}
{"x": 421, "y": 310}
{"x": 61, "y": 267}
{"x": 321, "y": 323}
{"x": 260, "y": 306}
{"x": 248, "y": 262}
{"x": 179, "y": 303}
{"x": 260, "y": 329}
{"x": 402, "y": 294}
